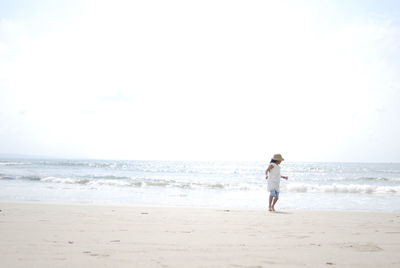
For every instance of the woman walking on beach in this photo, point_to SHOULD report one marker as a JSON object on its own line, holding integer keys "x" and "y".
{"x": 274, "y": 180}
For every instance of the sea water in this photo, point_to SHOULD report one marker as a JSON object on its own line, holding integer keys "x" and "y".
{"x": 311, "y": 186}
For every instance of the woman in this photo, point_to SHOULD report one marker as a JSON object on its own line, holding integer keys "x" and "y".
{"x": 274, "y": 180}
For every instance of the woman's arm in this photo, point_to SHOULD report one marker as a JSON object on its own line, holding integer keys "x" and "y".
{"x": 268, "y": 169}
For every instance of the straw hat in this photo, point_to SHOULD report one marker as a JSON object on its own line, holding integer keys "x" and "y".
{"x": 278, "y": 157}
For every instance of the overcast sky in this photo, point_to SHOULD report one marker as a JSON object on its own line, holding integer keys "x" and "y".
{"x": 201, "y": 80}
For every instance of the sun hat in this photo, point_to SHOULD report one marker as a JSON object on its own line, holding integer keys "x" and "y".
{"x": 278, "y": 157}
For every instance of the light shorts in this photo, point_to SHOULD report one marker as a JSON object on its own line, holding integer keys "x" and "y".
{"x": 274, "y": 193}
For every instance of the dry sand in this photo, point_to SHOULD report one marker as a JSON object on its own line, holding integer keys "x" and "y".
{"x": 44, "y": 235}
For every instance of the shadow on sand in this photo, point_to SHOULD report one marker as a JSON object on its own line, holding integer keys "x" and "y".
{"x": 280, "y": 212}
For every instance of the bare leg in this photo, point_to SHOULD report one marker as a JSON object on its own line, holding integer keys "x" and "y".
{"x": 273, "y": 204}
{"x": 270, "y": 203}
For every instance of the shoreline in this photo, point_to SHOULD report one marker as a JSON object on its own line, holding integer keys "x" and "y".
{"x": 133, "y": 205}
{"x": 54, "y": 235}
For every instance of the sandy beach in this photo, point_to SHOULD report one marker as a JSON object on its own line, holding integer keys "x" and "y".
{"x": 46, "y": 235}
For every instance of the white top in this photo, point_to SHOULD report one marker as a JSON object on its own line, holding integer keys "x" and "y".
{"x": 274, "y": 178}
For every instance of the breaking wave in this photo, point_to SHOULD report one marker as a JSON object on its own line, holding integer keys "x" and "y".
{"x": 125, "y": 181}
{"x": 7, "y": 163}
{"x": 142, "y": 182}
{"x": 341, "y": 188}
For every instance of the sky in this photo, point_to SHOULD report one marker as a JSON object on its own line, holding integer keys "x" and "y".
{"x": 201, "y": 80}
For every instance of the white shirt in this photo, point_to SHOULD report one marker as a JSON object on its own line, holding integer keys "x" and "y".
{"x": 274, "y": 178}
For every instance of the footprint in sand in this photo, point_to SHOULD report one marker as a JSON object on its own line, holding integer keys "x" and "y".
{"x": 95, "y": 254}
{"x": 363, "y": 247}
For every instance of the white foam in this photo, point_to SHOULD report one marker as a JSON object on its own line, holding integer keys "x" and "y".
{"x": 288, "y": 187}
{"x": 65, "y": 180}
{"x": 109, "y": 182}
{"x": 341, "y": 188}
{"x": 14, "y": 163}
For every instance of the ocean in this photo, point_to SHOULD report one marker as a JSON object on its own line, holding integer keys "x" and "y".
{"x": 235, "y": 185}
